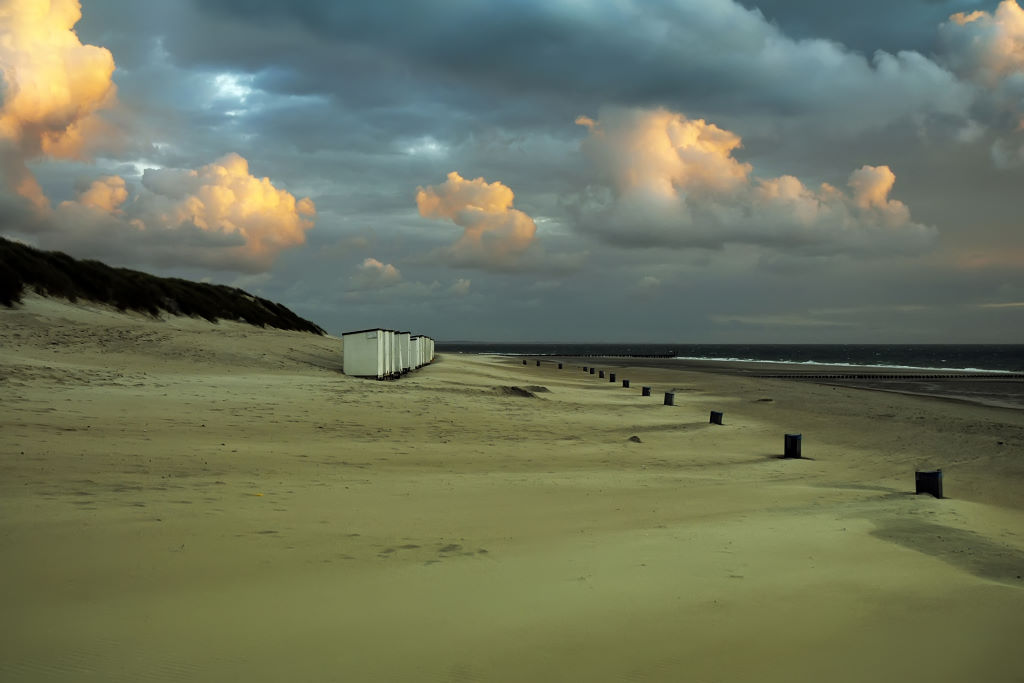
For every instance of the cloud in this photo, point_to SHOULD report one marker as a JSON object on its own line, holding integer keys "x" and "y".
{"x": 460, "y": 287}
{"x": 106, "y": 194}
{"x": 988, "y": 49}
{"x": 986, "y": 46}
{"x": 372, "y": 274}
{"x": 52, "y": 90}
{"x": 648, "y": 282}
{"x": 663, "y": 151}
{"x": 717, "y": 55}
{"x": 673, "y": 181}
{"x": 495, "y": 235}
{"x": 218, "y": 216}
{"x": 223, "y": 197}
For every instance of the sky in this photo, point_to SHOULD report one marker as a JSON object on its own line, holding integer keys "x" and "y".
{"x": 687, "y": 171}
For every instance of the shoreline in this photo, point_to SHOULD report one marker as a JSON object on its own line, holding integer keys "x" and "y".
{"x": 983, "y": 388}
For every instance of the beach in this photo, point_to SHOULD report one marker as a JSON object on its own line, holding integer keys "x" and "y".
{"x": 181, "y": 500}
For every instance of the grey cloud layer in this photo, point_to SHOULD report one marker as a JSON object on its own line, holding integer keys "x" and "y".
{"x": 358, "y": 104}
{"x": 721, "y": 55}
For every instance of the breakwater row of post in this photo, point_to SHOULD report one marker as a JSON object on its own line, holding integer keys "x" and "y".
{"x": 928, "y": 482}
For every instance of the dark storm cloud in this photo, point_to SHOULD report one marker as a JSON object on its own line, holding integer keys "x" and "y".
{"x": 484, "y": 57}
{"x": 865, "y": 26}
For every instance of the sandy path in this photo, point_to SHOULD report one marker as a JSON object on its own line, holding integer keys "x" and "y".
{"x": 183, "y": 501}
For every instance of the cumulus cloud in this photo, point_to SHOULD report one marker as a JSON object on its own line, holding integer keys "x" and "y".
{"x": 664, "y": 151}
{"x": 52, "y": 94}
{"x": 106, "y": 194}
{"x": 673, "y": 181}
{"x": 218, "y": 215}
{"x": 460, "y": 287}
{"x": 648, "y": 282}
{"x": 495, "y": 235}
{"x": 373, "y": 274}
{"x": 52, "y": 90}
{"x": 987, "y": 48}
{"x": 223, "y": 197}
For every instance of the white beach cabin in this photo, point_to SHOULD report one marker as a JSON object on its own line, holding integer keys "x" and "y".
{"x": 405, "y": 351}
{"x": 396, "y": 355}
{"x": 386, "y": 343}
{"x": 392, "y": 344}
{"x": 414, "y": 352}
{"x": 363, "y": 353}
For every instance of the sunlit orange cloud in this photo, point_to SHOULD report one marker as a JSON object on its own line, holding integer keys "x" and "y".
{"x": 661, "y": 153}
{"x": 53, "y": 87}
{"x": 494, "y": 233}
{"x": 988, "y": 46}
{"x": 53, "y": 90}
{"x": 224, "y": 197}
{"x": 675, "y": 182}
{"x": 375, "y": 274}
{"x": 251, "y": 219}
{"x": 106, "y": 194}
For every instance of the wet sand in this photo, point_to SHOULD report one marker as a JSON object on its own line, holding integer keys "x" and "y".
{"x": 998, "y": 390}
{"x": 186, "y": 501}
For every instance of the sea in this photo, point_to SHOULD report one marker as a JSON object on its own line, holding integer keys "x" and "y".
{"x": 961, "y": 357}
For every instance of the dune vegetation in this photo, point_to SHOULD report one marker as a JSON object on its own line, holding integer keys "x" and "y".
{"x": 53, "y": 273}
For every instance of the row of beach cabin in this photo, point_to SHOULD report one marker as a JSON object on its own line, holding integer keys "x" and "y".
{"x": 384, "y": 354}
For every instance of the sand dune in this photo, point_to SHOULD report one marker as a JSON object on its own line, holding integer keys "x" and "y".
{"x": 187, "y": 501}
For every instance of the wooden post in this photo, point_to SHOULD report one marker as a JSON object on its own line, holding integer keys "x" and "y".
{"x": 670, "y": 398}
{"x": 716, "y": 417}
{"x": 591, "y": 371}
{"x": 793, "y": 445}
{"x": 538, "y": 364}
{"x": 645, "y": 391}
{"x": 600, "y": 374}
{"x": 524, "y": 361}
{"x": 611, "y": 377}
{"x": 928, "y": 482}
{"x": 559, "y": 366}
{"x": 625, "y": 384}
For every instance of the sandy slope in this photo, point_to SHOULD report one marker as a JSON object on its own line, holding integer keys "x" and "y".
{"x": 185, "y": 501}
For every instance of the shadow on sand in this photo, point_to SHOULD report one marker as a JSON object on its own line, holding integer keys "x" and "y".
{"x": 963, "y": 549}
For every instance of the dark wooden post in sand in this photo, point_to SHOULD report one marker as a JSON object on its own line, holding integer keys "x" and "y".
{"x": 600, "y": 374}
{"x": 524, "y": 361}
{"x": 559, "y": 366}
{"x": 793, "y": 444}
{"x": 611, "y": 376}
{"x": 645, "y": 391}
{"x": 716, "y": 417}
{"x": 928, "y": 482}
{"x": 585, "y": 368}
{"x": 591, "y": 371}
{"x": 670, "y": 398}
{"x": 538, "y": 364}
{"x": 625, "y": 384}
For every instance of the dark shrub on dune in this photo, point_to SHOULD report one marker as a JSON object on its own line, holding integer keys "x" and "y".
{"x": 53, "y": 273}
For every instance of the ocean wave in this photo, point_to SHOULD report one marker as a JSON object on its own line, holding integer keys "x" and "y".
{"x": 843, "y": 365}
